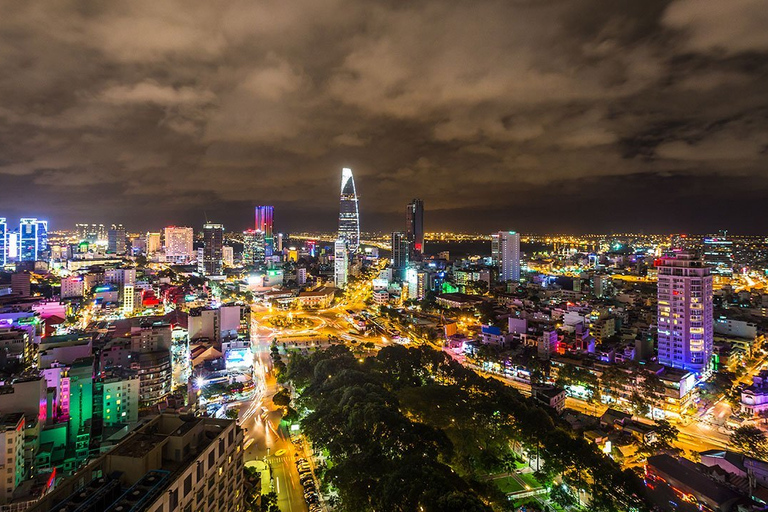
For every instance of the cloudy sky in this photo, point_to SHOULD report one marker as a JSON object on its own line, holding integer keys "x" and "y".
{"x": 535, "y": 115}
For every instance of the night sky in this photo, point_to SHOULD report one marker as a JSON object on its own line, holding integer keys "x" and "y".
{"x": 534, "y": 115}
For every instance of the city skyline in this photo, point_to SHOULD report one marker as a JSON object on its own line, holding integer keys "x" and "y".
{"x": 494, "y": 113}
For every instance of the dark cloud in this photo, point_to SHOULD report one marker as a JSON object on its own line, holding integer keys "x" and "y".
{"x": 553, "y": 115}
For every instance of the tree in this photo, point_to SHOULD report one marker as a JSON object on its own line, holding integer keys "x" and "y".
{"x": 750, "y": 440}
{"x": 233, "y": 413}
{"x": 282, "y": 398}
{"x": 666, "y": 433}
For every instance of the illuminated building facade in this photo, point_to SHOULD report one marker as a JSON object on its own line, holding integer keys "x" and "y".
{"x": 340, "y": 263}
{"x": 91, "y": 233}
{"x": 400, "y": 250}
{"x": 718, "y": 254}
{"x": 684, "y": 312}
{"x": 116, "y": 239}
{"x": 211, "y": 263}
{"x": 153, "y": 243}
{"x": 506, "y": 254}
{"x": 179, "y": 244}
{"x": 253, "y": 247}
{"x": 3, "y": 241}
{"x": 349, "y": 215}
{"x": 414, "y": 227}
{"x": 33, "y": 239}
{"x": 265, "y": 223}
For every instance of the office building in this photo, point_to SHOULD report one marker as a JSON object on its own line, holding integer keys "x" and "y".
{"x": 33, "y": 239}
{"x": 179, "y": 244}
{"x": 718, "y": 254}
{"x": 228, "y": 256}
{"x": 116, "y": 239}
{"x": 340, "y": 263}
{"x": 265, "y": 223}
{"x": 170, "y": 463}
{"x": 91, "y": 233}
{"x": 684, "y": 312}
{"x": 400, "y": 253}
{"x": 414, "y": 227}
{"x": 72, "y": 286}
{"x": 211, "y": 263}
{"x": 120, "y": 276}
{"x": 349, "y": 215}
{"x": 505, "y": 247}
{"x": 253, "y": 247}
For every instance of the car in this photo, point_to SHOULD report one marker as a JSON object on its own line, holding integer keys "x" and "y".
{"x": 300, "y": 461}
{"x": 311, "y": 497}
{"x": 306, "y": 478}
{"x": 304, "y": 468}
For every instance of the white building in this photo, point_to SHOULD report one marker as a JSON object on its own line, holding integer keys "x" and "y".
{"x": 12, "y": 450}
{"x": 72, "y": 286}
{"x": 340, "y": 263}
{"x": 506, "y": 254}
{"x": 120, "y": 276}
{"x": 228, "y": 256}
{"x": 179, "y": 244}
{"x": 684, "y": 312}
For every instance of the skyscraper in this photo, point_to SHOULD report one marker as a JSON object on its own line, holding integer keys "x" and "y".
{"x": 340, "y": 263}
{"x": 91, "y": 233}
{"x": 718, "y": 253}
{"x": 400, "y": 256}
{"x": 349, "y": 216}
{"x": 414, "y": 226}
{"x": 116, "y": 239}
{"x": 253, "y": 247}
{"x": 684, "y": 312}
{"x": 33, "y": 239}
{"x": 213, "y": 241}
{"x": 3, "y": 241}
{"x": 507, "y": 255}
{"x": 179, "y": 244}
{"x": 264, "y": 223}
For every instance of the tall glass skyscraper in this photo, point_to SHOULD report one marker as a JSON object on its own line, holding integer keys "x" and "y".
{"x": 33, "y": 239}
{"x": 213, "y": 242}
{"x": 414, "y": 226}
{"x": 3, "y": 241}
{"x": 349, "y": 216}
{"x": 264, "y": 223}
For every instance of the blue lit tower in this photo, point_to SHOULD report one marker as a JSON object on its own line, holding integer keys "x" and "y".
{"x": 264, "y": 223}
{"x": 3, "y": 238}
{"x": 33, "y": 238}
{"x": 349, "y": 216}
{"x": 3, "y": 241}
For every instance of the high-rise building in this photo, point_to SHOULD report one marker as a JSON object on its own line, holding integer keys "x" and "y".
{"x": 228, "y": 255}
{"x": 3, "y": 241}
{"x": 179, "y": 244}
{"x": 33, "y": 239}
{"x": 718, "y": 253}
{"x": 349, "y": 216}
{"x": 414, "y": 227}
{"x": 340, "y": 263}
{"x": 211, "y": 264}
{"x": 507, "y": 254}
{"x": 253, "y": 247}
{"x": 153, "y": 243}
{"x": 265, "y": 223}
{"x": 116, "y": 239}
{"x": 400, "y": 253}
{"x": 91, "y": 233}
{"x": 684, "y": 312}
